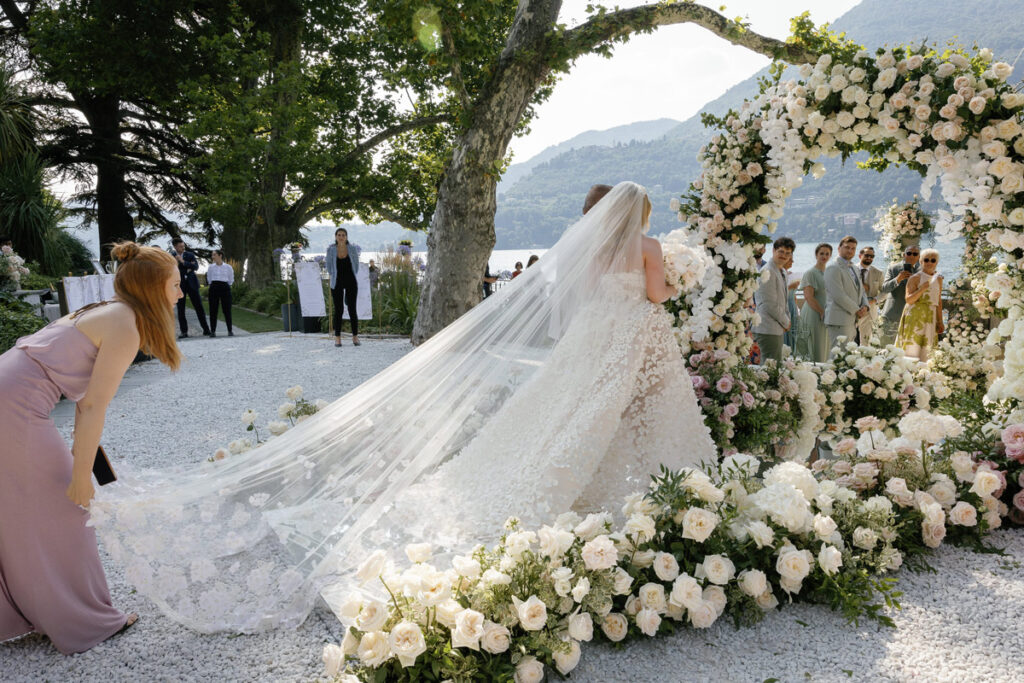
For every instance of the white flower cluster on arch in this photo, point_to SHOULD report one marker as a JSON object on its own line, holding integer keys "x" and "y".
{"x": 950, "y": 116}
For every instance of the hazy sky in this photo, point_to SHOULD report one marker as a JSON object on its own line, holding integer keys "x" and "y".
{"x": 670, "y": 73}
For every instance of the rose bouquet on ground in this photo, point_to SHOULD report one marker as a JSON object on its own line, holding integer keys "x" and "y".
{"x": 496, "y": 614}
{"x": 295, "y": 410}
{"x": 866, "y": 381}
{"x": 748, "y": 409}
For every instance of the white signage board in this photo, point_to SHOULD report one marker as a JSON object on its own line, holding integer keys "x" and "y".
{"x": 364, "y": 306}
{"x": 311, "y": 289}
{"x": 90, "y": 289}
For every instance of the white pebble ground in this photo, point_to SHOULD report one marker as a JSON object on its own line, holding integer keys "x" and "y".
{"x": 960, "y": 624}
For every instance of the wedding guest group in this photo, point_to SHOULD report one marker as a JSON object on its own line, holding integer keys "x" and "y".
{"x": 921, "y": 321}
{"x": 871, "y": 279}
{"x": 847, "y": 300}
{"x": 895, "y": 286}
{"x": 772, "y": 302}
{"x": 51, "y": 578}
{"x": 812, "y": 339}
{"x": 220, "y": 276}
{"x": 188, "y": 264}
{"x": 342, "y": 265}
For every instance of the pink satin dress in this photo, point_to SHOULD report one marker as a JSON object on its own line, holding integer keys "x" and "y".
{"x": 51, "y": 579}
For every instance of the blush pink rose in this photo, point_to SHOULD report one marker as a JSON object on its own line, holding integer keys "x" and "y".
{"x": 724, "y": 384}
{"x": 1013, "y": 439}
{"x": 732, "y": 410}
{"x": 1018, "y": 500}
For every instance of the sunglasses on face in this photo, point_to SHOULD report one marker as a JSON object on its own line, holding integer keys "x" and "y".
{"x": 913, "y": 253}
{"x": 929, "y": 260}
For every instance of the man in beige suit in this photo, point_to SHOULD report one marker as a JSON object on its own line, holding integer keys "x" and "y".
{"x": 847, "y": 300}
{"x": 871, "y": 279}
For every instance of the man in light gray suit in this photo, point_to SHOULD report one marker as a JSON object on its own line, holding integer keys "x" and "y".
{"x": 871, "y": 279}
{"x": 847, "y": 300}
{"x": 771, "y": 302}
{"x": 895, "y": 285}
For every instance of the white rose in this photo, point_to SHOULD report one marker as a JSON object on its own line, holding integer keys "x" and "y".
{"x": 493, "y": 577}
{"x": 702, "y": 615}
{"x": 615, "y": 627}
{"x": 469, "y": 628}
{"x": 372, "y": 567}
{"x": 407, "y": 642}
{"x": 648, "y": 621}
{"x": 1002, "y": 70}
{"x": 554, "y": 542}
{"x": 715, "y": 596}
{"x": 277, "y": 428}
{"x": 591, "y": 527}
{"x": 599, "y": 553}
{"x": 761, "y": 533}
{"x": 349, "y": 643}
{"x": 865, "y": 538}
{"x": 447, "y": 611}
{"x": 466, "y": 566}
{"x": 495, "y": 639}
{"x": 567, "y": 661}
{"x": 698, "y": 524}
{"x": 334, "y": 659}
{"x": 374, "y": 649}
{"x": 519, "y": 542}
{"x": 529, "y": 670}
{"x": 285, "y": 410}
{"x": 824, "y": 526}
{"x": 581, "y": 590}
{"x": 533, "y": 613}
{"x": 642, "y": 558}
{"x": 767, "y": 600}
{"x": 753, "y": 582}
{"x": 652, "y": 596}
{"x": 623, "y": 581}
{"x": 985, "y": 482}
{"x": 718, "y": 569}
{"x": 248, "y": 417}
{"x": 963, "y": 514}
{"x": 666, "y": 567}
{"x": 686, "y": 592}
{"x": 932, "y": 534}
{"x": 793, "y": 564}
{"x": 294, "y": 393}
{"x": 830, "y": 559}
{"x": 944, "y": 492}
{"x": 581, "y": 627}
{"x": 641, "y": 527}
{"x": 418, "y": 552}
{"x": 372, "y": 616}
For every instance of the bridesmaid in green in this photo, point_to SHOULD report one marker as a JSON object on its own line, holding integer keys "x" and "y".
{"x": 921, "y": 323}
{"x": 811, "y": 338}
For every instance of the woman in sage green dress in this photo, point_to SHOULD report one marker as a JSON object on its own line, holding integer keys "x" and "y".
{"x": 921, "y": 323}
{"x": 811, "y": 338}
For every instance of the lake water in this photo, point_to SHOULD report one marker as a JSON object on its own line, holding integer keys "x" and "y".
{"x": 950, "y": 256}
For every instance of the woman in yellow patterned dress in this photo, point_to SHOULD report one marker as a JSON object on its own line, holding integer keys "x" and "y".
{"x": 921, "y": 323}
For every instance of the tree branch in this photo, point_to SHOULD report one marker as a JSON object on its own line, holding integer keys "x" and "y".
{"x": 456, "y": 69}
{"x": 389, "y": 215}
{"x": 18, "y": 20}
{"x": 608, "y": 28}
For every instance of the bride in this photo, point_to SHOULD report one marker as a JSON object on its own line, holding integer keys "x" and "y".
{"x": 565, "y": 390}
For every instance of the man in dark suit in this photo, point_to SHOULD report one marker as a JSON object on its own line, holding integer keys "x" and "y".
{"x": 895, "y": 285}
{"x": 188, "y": 264}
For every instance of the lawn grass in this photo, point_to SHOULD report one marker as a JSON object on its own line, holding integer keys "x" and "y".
{"x": 250, "y": 321}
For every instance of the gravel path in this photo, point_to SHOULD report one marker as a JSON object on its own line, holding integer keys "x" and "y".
{"x": 961, "y": 624}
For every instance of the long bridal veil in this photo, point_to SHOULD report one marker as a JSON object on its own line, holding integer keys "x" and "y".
{"x": 249, "y": 543}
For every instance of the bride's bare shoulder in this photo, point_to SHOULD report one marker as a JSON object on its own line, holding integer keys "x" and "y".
{"x": 651, "y": 245}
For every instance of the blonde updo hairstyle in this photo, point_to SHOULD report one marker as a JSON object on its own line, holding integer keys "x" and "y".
{"x": 140, "y": 280}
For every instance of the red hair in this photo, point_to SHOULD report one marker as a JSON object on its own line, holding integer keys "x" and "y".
{"x": 140, "y": 281}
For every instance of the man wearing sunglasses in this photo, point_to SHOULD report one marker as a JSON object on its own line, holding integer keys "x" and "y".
{"x": 895, "y": 285}
{"x": 871, "y": 280}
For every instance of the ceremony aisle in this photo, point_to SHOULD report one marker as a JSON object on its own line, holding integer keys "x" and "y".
{"x": 960, "y": 623}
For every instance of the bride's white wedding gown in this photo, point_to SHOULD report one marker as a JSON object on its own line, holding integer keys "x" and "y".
{"x": 565, "y": 390}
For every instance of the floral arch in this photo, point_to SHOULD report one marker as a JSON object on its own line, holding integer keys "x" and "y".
{"x": 951, "y": 116}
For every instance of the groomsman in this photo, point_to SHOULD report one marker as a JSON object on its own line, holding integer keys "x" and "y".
{"x": 895, "y": 285}
{"x": 188, "y": 264}
{"x": 847, "y": 300}
{"x": 772, "y": 302}
{"x": 871, "y": 279}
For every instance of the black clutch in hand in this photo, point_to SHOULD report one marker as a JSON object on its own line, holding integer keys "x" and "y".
{"x": 101, "y": 468}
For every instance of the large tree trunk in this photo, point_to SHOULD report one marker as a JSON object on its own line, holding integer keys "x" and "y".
{"x": 461, "y": 233}
{"x": 112, "y": 216}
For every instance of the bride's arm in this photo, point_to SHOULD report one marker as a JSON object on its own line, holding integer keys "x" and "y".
{"x": 658, "y": 290}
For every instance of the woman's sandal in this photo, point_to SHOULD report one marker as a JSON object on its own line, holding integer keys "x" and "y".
{"x": 356, "y": 342}
{"x": 128, "y": 623}
{"x": 337, "y": 343}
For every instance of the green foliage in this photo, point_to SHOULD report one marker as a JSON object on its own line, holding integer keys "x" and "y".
{"x": 16, "y": 320}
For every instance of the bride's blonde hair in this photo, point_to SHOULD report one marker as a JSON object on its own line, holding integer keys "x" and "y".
{"x": 645, "y": 217}
{"x": 142, "y": 273}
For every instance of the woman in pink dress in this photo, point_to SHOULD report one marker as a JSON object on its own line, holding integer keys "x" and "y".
{"x": 51, "y": 579}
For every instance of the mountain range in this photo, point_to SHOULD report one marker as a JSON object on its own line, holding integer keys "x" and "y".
{"x": 539, "y": 198}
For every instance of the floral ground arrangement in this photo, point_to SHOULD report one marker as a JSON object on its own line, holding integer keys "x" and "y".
{"x": 735, "y": 541}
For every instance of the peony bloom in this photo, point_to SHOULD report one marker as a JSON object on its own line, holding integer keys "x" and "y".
{"x": 599, "y": 553}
